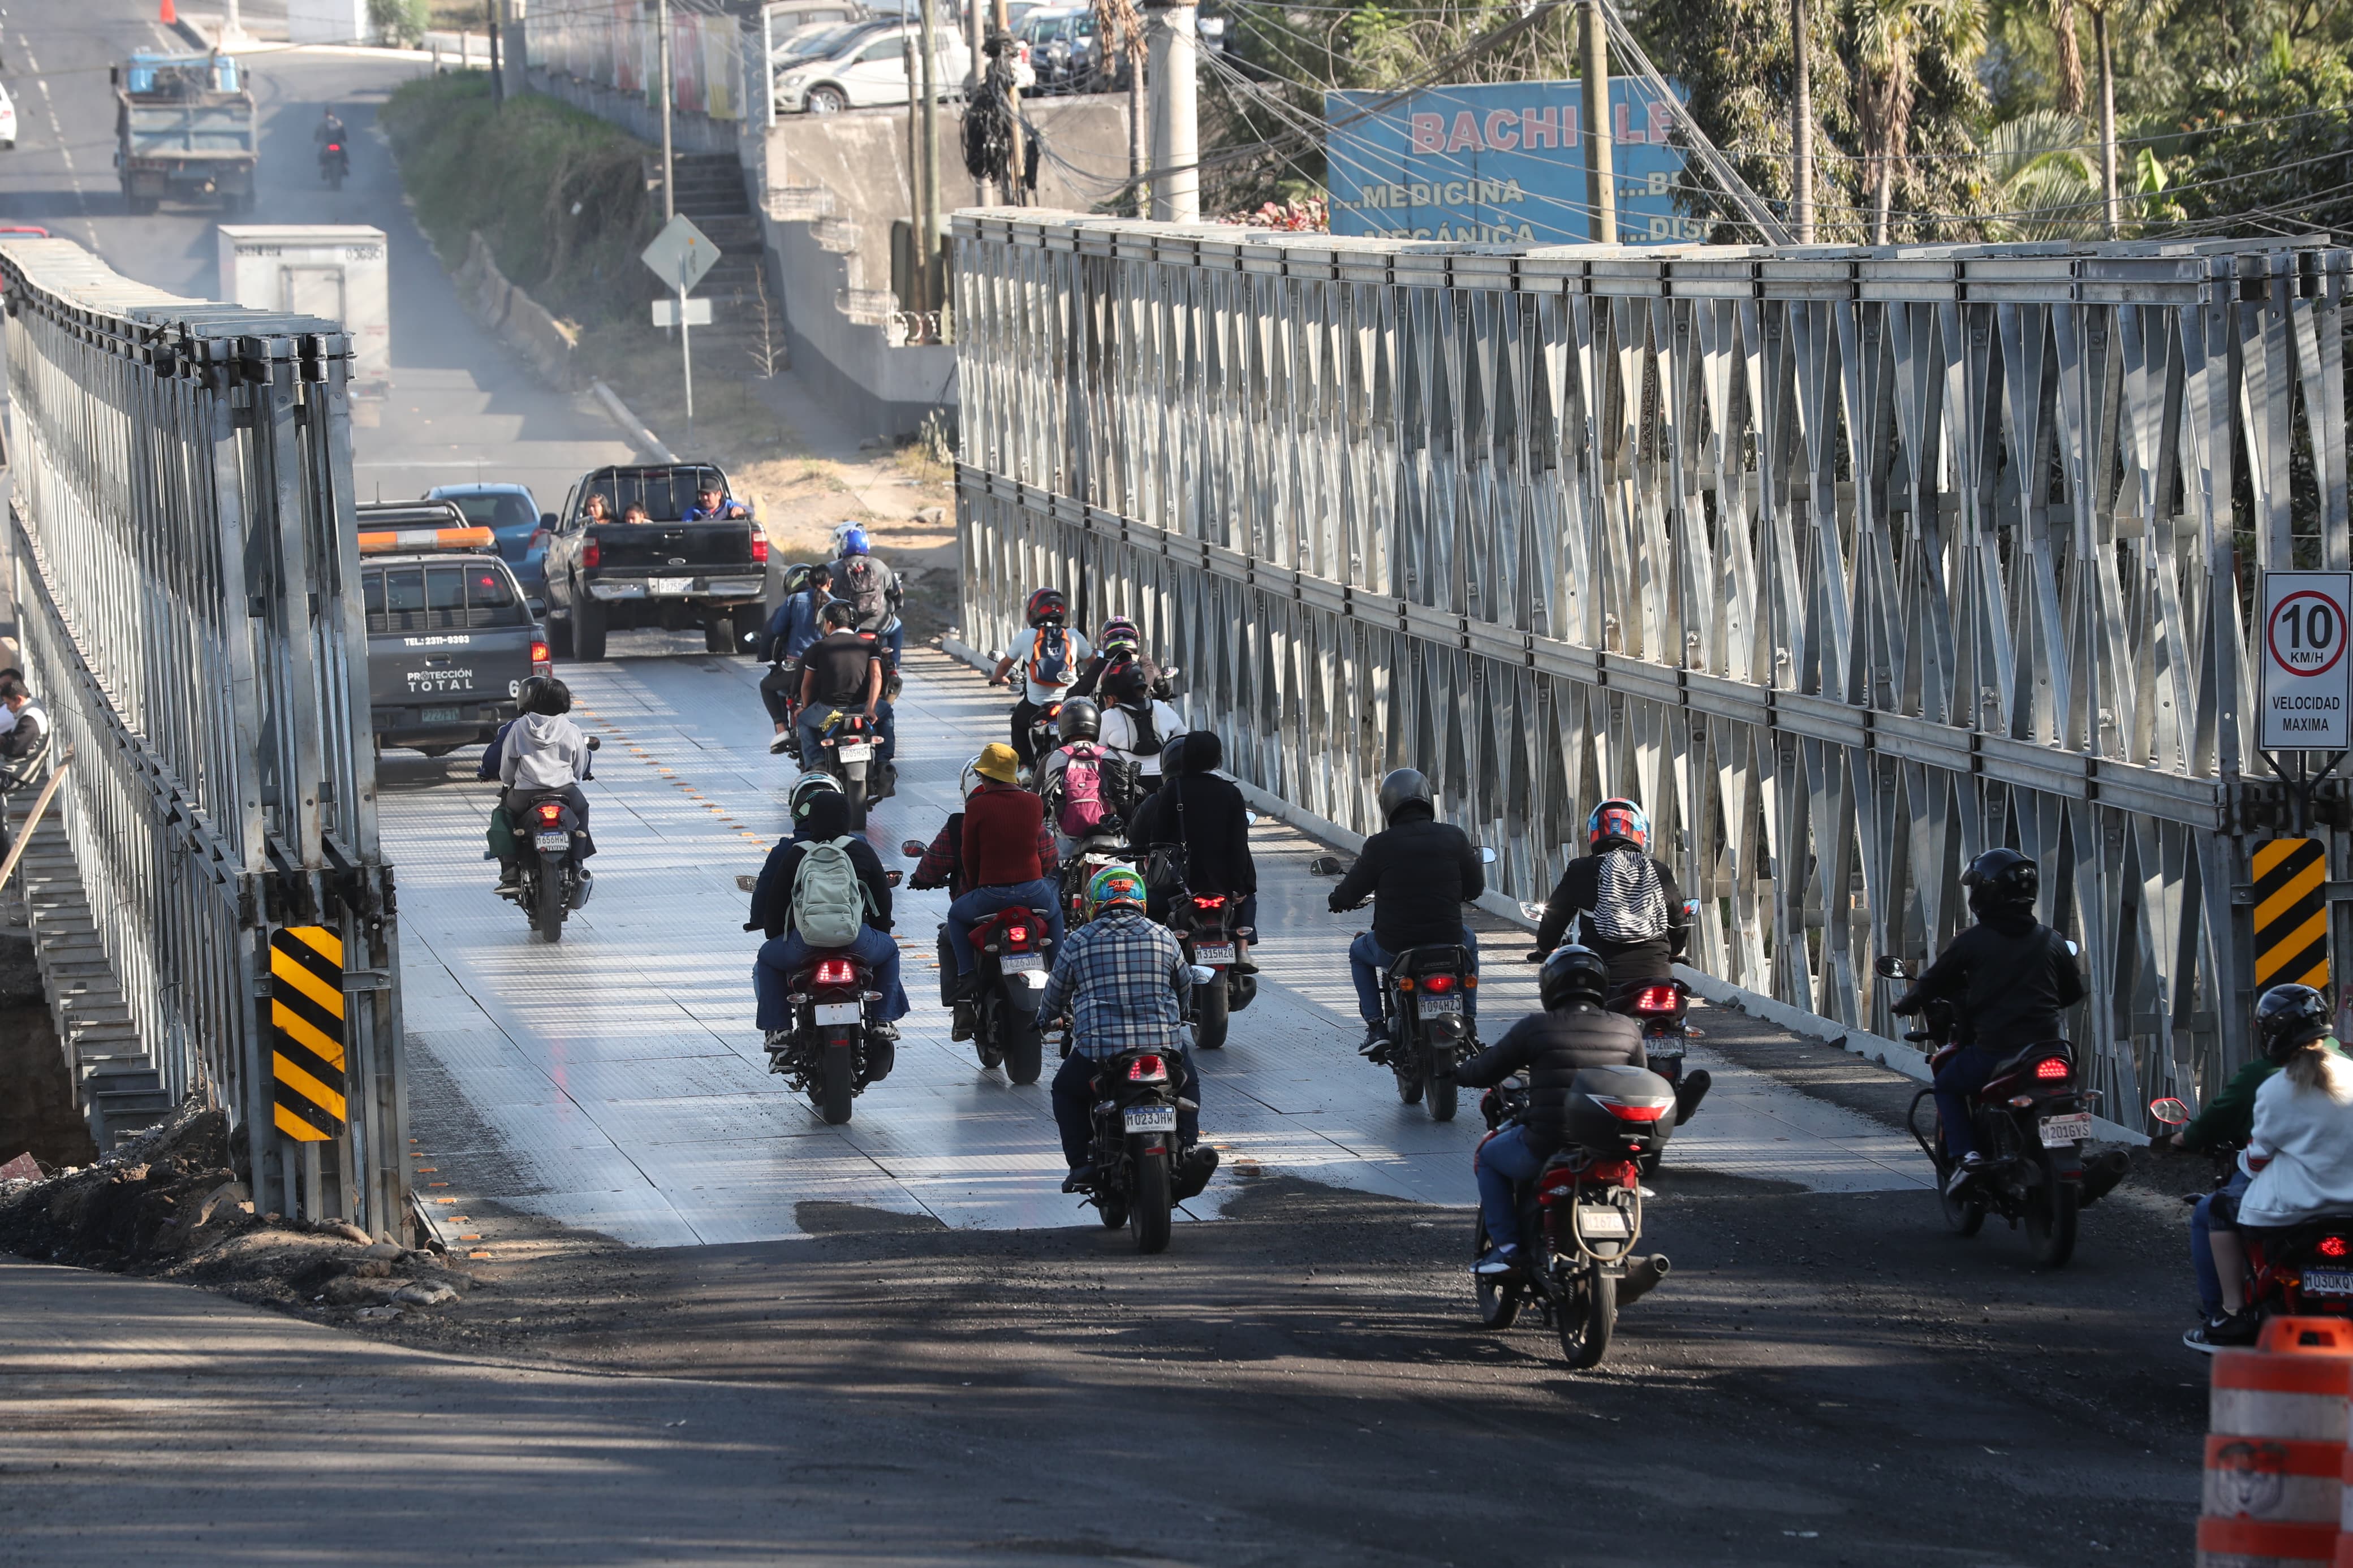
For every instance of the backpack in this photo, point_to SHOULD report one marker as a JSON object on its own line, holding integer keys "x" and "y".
{"x": 1080, "y": 807}
{"x": 866, "y": 584}
{"x": 1629, "y": 905}
{"x": 1049, "y": 656}
{"x": 828, "y": 898}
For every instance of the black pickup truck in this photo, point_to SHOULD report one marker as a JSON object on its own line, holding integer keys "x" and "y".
{"x": 662, "y": 571}
{"x": 451, "y": 636}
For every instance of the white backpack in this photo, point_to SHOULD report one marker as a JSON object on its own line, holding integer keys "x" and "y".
{"x": 828, "y": 898}
{"x": 1630, "y": 905}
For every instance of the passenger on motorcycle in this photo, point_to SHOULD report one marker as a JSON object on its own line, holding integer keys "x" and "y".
{"x": 1050, "y": 655}
{"x": 841, "y": 674}
{"x": 872, "y": 588}
{"x": 1010, "y": 858}
{"x": 790, "y": 632}
{"x": 1575, "y": 1030}
{"x": 943, "y": 862}
{"x": 1207, "y": 816}
{"x": 1118, "y": 645}
{"x": 821, "y": 815}
{"x": 2297, "y": 1161}
{"x": 1619, "y": 901}
{"x": 1137, "y": 726}
{"x": 2010, "y": 976}
{"x": 1420, "y": 871}
{"x": 540, "y": 754}
{"x": 2224, "y": 1128}
{"x": 1126, "y": 984}
{"x": 1088, "y": 790}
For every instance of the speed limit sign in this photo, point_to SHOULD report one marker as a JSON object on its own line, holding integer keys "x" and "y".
{"x": 2307, "y": 682}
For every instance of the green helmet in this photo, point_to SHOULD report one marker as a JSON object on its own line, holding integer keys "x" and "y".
{"x": 1114, "y": 885}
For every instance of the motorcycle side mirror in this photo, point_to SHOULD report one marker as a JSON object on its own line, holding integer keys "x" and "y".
{"x": 1202, "y": 974}
{"x": 2075, "y": 952}
{"x": 894, "y": 878}
{"x": 1887, "y": 966}
{"x": 595, "y": 744}
{"x": 913, "y": 849}
{"x": 1250, "y": 818}
{"x": 1534, "y": 911}
{"x": 1486, "y": 857}
{"x": 1326, "y": 866}
{"x": 2172, "y": 1112}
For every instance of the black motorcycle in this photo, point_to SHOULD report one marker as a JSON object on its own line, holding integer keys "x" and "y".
{"x": 1426, "y": 998}
{"x": 833, "y": 1049}
{"x": 849, "y": 749}
{"x": 2305, "y": 1270}
{"x": 2030, "y": 1122}
{"x": 552, "y": 881}
{"x": 1045, "y": 738}
{"x": 1134, "y": 1151}
{"x": 1581, "y": 1218}
{"x": 1012, "y": 959}
{"x": 1208, "y": 927}
{"x": 335, "y": 163}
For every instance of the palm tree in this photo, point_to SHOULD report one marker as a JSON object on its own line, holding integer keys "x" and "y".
{"x": 2042, "y": 183}
{"x": 1890, "y": 37}
{"x": 2071, "y": 57}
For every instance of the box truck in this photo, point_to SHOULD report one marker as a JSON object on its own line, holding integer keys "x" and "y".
{"x": 337, "y": 271}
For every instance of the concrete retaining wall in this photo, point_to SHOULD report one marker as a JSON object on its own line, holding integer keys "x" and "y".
{"x": 522, "y": 321}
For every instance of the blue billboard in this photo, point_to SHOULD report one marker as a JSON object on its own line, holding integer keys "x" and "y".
{"x": 1499, "y": 165}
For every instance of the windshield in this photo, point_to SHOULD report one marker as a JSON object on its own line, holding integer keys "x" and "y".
{"x": 496, "y": 511}
{"x": 814, "y": 43}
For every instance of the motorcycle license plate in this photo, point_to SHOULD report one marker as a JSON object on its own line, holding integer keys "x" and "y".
{"x": 1431, "y": 1005}
{"x": 552, "y": 843}
{"x": 2058, "y": 1131}
{"x": 1601, "y": 1222}
{"x": 670, "y": 585}
{"x": 2329, "y": 1283}
{"x": 1214, "y": 953}
{"x": 1151, "y": 1119}
{"x": 856, "y": 751}
{"x": 441, "y": 715}
{"x": 1021, "y": 963}
{"x": 840, "y": 1012}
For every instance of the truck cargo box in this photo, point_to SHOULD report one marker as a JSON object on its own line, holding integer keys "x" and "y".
{"x": 337, "y": 271}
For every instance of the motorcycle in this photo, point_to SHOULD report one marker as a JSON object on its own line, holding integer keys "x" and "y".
{"x": 2304, "y": 1271}
{"x": 1425, "y": 992}
{"x": 2031, "y": 1121}
{"x": 1207, "y": 927}
{"x": 1044, "y": 740}
{"x": 335, "y": 163}
{"x": 1089, "y": 856}
{"x": 1134, "y": 1149}
{"x": 552, "y": 883}
{"x": 847, "y": 749}
{"x": 833, "y": 1050}
{"x": 1581, "y": 1218}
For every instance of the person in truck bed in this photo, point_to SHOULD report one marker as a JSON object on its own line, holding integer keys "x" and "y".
{"x": 636, "y": 514}
{"x": 596, "y": 508}
{"x": 714, "y": 504}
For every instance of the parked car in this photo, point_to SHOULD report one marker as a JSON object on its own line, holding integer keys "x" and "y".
{"x": 1064, "y": 48}
{"x": 450, "y": 638}
{"x": 790, "y": 20}
{"x": 514, "y": 518}
{"x": 868, "y": 70}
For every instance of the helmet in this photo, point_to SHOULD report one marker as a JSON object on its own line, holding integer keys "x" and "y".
{"x": 853, "y": 541}
{"x": 1114, "y": 885}
{"x": 1119, "y": 634}
{"x": 1079, "y": 719}
{"x": 1573, "y": 974}
{"x": 969, "y": 780}
{"x": 2288, "y": 1017}
{"x": 1124, "y": 683}
{"x": 796, "y": 576}
{"x": 807, "y": 789}
{"x": 1402, "y": 788}
{"x": 1620, "y": 820}
{"x": 529, "y": 691}
{"x": 1047, "y": 604}
{"x": 1999, "y": 880}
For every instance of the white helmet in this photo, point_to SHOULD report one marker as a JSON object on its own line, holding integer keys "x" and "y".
{"x": 970, "y": 779}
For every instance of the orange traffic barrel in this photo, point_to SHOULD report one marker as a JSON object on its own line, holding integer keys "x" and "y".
{"x": 2275, "y": 1454}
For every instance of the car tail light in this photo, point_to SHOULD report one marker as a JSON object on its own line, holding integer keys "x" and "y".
{"x": 1438, "y": 984}
{"x": 1631, "y": 1110}
{"x": 550, "y": 812}
{"x": 539, "y": 656}
{"x": 2334, "y": 1246}
{"x": 759, "y": 548}
{"x": 2051, "y": 1070}
{"x": 836, "y": 972}
{"x": 590, "y": 554}
{"x": 1655, "y": 999}
{"x": 1148, "y": 1069}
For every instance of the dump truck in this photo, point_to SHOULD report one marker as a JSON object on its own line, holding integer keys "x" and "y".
{"x": 334, "y": 270}
{"x": 185, "y": 128}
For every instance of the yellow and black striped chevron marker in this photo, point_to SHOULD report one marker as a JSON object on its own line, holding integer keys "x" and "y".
{"x": 306, "y": 1032}
{"x": 2291, "y": 912}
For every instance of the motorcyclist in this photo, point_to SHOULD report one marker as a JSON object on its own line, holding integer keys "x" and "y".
{"x": 1119, "y": 644}
{"x": 1137, "y": 726}
{"x": 1420, "y": 872}
{"x": 2299, "y": 1154}
{"x": 1050, "y": 655}
{"x": 1575, "y": 1030}
{"x": 1619, "y": 901}
{"x": 873, "y": 588}
{"x": 1207, "y": 816}
{"x": 1126, "y": 984}
{"x": 798, "y": 623}
{"x": 2285, "y": 1016}
{"x": 329, "y": 131}
{"x": 1009, "y": 856}
{"x": 841, "y": 674}
{"x": 1103, "y": 805}
{"x": 542, "y": 753}
{"x": 2010, "y": 976}
{"x": 821, "y": 814}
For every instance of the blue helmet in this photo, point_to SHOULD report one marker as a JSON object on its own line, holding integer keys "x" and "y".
{"x": 853, "y": 541}
{"x": 1620, "y": 819}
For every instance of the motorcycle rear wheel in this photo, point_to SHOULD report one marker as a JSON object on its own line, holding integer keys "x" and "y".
{"x": 1499, "y": 1301}
{"x": 1148, "y": 1215}
{"x": 2050, "y": 1210}
{"x": 1589, "y": 1318}
{"x": 1025, "y": 1050}
{"x": 1443, "y": 1092}
{"x": 547, "y": 915}
{"x": 1210, "y": 1015}
{"x": 837, "y": 1083}
{"x": 855, "y": 789}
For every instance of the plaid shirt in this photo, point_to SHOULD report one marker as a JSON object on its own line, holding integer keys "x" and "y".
{"x": 1130, "y": 982}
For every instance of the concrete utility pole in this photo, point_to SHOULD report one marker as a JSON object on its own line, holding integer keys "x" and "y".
{"x": 1801, "y": 130}
{"x": 2112, "y": 206}
{"x": 977, "y": 67}
{"x": 1012, "y": 194}
{"x": 928, "y": 169}
{"x": 1601, "y": 177}
{"x": 670, "y": 175}
{"x": 1176, "y": 122}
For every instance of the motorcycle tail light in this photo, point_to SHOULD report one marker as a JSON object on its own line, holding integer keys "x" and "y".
{"x": 1614, "y": 1173}
{"x": 591, "y": 553}
{"x": 2051, "y": 1070}
{"x": 1655, "y": 999}
{"x": 1147, "y": 1069}
{"x": 2334, "y": 1246}
{"x": 1438, "y": 984}
{"x": 334, "y": 146}
{"x": 550, "y": 813}
{"x": 1631, "y": 1110}
{"x": 759, "y": 548}
{"x": 836, "y": 972}
{"x": 1017, "y": 935}
{"x": 1212, "y": 903}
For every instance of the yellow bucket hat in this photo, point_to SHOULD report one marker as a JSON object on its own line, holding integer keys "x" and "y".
{"x": 997, "y": 762}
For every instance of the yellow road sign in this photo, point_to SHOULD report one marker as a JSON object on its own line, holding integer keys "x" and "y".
{"x": 2291, "y": 912}
{"x": 306, "y": 1018}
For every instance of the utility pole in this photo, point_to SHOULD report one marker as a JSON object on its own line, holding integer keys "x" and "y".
{"x": 1601, "y": 177}
{"x": 497, "y": 81}
{"x": 1176, "y": 124}
{"x": 1012, "y": 192}
{"x": 912, "y": 299}
{"x": 928, "y": 169}
{"x": 977, "y": 24}
{"x": 1139, "y": 135}
{"x": 1801, "y": 130}
{"x": 670, "y": 175}
{"x": 2113, "y": 207}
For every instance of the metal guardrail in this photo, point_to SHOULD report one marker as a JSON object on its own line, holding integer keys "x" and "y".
{"x": 187, "y": 586}
{"x": 1848, "y": 563}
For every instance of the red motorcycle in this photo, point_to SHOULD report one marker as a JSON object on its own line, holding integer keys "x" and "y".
{"x": 2305, "y": 1271}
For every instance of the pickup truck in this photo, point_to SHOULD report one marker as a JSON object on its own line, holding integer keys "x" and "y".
{"x": 450, "y": 637}
{"x": 184, "y": 125}
{"x": 663, "y": 572}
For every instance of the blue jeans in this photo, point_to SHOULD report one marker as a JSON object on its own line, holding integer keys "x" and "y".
{"x": 2201, "y": 1245}
{"x": 780, "y": 958}
{"x": 1957, "y": 1084}
{"x": 1502, "y": 1163}
{"x": 812, "y": 726}
{"x": 895, "y": 639}
{"x": 1041, "y": 894}
{"x": 1368, "y": 958}
{"x": 1074, "y": 1099}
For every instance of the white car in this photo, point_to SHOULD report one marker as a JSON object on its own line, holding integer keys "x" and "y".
{"x": 7, "y": 121}
{"x": 869, "y": 72}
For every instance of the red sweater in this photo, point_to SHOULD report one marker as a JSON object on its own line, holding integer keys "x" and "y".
{"x": 1002, "y": 826}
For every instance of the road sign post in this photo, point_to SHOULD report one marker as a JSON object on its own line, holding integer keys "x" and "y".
{"x": 680, "y": 256}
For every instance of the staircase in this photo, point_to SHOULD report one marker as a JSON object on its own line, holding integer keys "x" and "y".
{"x": 120, "y": 1089}
{"x": 710, "y": 191}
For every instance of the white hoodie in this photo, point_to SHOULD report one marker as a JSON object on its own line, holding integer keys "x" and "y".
{"x": 543, "y": 750}
{"x": 2308, "y": 1133}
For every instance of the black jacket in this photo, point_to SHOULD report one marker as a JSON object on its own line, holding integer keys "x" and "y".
{"x": 1575, "y": 893}
{"x": 772, "y": 895}
{"x": 1420, "y": 871}
{"x": 1216, "y": 832}
{"x": 1550, "y": 1047}
{"x": 2010, "y": 975}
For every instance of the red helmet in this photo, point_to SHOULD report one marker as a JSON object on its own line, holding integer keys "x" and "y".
{"x": 1620, "y": 820}
{"x": 1047, "y": 604}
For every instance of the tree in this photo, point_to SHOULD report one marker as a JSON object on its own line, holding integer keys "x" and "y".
{"x": 2040, "y": 179}
{"x": 398, "y": 22}
{"x": 2275, "y": 152}
{"x": 1891, "y": 36}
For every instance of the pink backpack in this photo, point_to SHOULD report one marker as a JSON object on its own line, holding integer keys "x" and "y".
{"x": 1080, "y": 810}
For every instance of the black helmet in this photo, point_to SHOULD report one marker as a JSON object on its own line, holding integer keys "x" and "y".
{"x": 796, "y": 576}
{"x": 1045, "y": 604}
{"x": 2287, "y": 1017}
{"x": 2001, "y": 881}
{"x": 1402, "y": 788}
{"x": 1079, "y": 719}
{"x": 1572, "y": 974}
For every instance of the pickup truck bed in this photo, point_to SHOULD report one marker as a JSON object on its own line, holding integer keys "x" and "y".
{"x": 603, "y": 576}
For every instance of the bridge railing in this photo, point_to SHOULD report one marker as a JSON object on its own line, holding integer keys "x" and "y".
{"x": 1847, "y": 563}
{"x": 186, "y": 583}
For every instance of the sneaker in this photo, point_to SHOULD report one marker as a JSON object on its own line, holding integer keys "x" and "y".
{"x": 1194, "y": 1171}
{"x": 883, "y": 1031}
{"x": 1376, "y": 1045}
{"x": 967, "y": 1019}
{"x": 1971, "y": 1167}
{"x": 781, "y": 744}
{"x": 510, "y": 878}
{"x": 1502, "y": 1261}
{"x": 776, "y": 1041}
{"x": 2226, "y": 1330}
{"x": 1080, "y": 1178}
